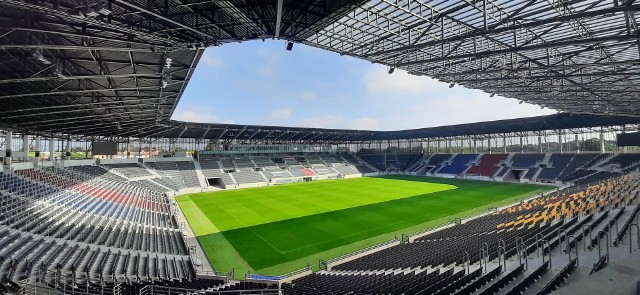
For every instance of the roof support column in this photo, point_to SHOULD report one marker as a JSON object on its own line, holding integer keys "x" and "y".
{"x": 278, "y": 18}
{"x": 504, "y": 143}
{"x": 52, "y": 142}
{"x": 8, "y": 144}
{"x": 67, "y": 150}
{"x": 36, "y": 158}
{"x": 560, "y": 141}
{"x": 602, "y": 141}
{"x": 540, "y": 143}
{"x": 475, "y": 146}
{"x": 25, "y": 146}
{"x": 489, "y": 144}
{"x": 521, "y": 145}
{"x": 577, "y": 144}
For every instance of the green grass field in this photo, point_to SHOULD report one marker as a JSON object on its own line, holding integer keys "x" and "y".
{"x": 272, "y": 230}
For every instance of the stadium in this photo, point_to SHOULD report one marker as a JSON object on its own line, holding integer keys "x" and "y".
{"x": 102, "y": 192}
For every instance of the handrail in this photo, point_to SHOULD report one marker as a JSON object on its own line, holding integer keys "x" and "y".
{"x": 569, "y": 250}
{"x": 584, "y": 236}
{"x": 549, "y": 251}
{"x": 617, "y": 230}
{"x": 385, "y": 243}
{"x": 631, "y": 234}
{"x": 280, "y": 277}
{"x": 600, "y": 233}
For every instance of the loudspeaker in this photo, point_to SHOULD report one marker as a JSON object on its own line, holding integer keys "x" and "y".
{"x": 37, "y": 154}
{"x": 7, "y": 153}
{"x": 289, "y": 46}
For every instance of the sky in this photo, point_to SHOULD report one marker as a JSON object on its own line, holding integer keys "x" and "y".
{"x": 260, "y": 83}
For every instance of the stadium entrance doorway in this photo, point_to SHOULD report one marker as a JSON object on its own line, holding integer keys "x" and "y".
{"x": 514, "y": 174}
{"x": 307, "y": 179}
{"x": 216, "y": 182}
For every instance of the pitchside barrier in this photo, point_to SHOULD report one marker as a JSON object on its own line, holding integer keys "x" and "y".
{"x": 162, "y": 290}
{"x": 328, "y": 264}
{"x": 281, "y": 279}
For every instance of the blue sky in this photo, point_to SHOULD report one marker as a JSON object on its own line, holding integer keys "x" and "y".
{"x": 261, "y": 83}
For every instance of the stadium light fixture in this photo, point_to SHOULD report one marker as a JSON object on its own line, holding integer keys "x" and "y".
{"x": 452, "y": 84}
{"x": 520, "y": 102}
{"x": 391, "y": 69}
{"x": 40, "y": 57}
{"x": 492, "y": 94}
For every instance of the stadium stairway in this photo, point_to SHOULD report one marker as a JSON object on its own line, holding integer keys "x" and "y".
{"x": 201, "y": 178}
{"x": 416, "y": 164}
{"x": 365, "y": 163}
{"x": 153, "y": 172}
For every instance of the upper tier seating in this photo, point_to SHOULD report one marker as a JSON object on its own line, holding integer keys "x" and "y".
{"x": 244, "y": 177}
{"x": 578, "y": 161}
{"x": 188, "y": 172}
{"x": 227, "y": 164}
{"x": 558, "y": 163}
{"x": 301, "y": 171}
{"x": 526, "y": 160}
{"x": 625, "y": 160}
{"x": 404, "y": 161}
{"x": 168, "y": 170}
{"x": 377, "y": 160}
{"x": 323, "y": 170}
{"x": 210, "y": 168}
{"x": 244, "y": 164}
{"x": 131, "y": 170}
{"x": 488, "y": 165}
{"x": 346, "y": 170}
{"x": 458, "y": 164}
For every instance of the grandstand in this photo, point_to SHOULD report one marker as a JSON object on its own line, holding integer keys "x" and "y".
{"x": 442, "y": 210}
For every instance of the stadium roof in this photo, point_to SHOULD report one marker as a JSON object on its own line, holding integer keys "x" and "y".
{"x": 226, "y": 132}
{"x": 119, "y": 67}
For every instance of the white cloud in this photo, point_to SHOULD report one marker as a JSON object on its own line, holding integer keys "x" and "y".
{"x": 190, "y": 116}
{"x": 212, "y": 60}
{"x": 460, "y": 109}
{"x": 365, "y": 124}
{"x": 280, "y": 114}
{"x": 378, "y": 81}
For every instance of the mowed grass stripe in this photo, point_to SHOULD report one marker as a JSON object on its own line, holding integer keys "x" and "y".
{"x": 267, "y": 245}
{"x": 248, "y": 207}
{"x": 296, "y": 238}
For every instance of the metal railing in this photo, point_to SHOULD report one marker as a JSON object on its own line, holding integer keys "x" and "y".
{"x": 163, "y": 290}
{"x": 364, "y": 250}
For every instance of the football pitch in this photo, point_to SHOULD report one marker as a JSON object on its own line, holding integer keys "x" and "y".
{"x": 273, "y": 230}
